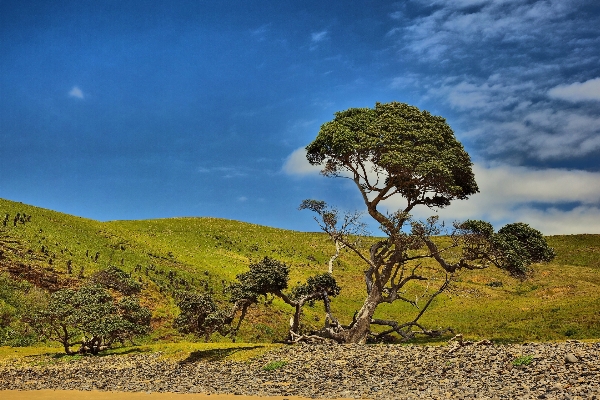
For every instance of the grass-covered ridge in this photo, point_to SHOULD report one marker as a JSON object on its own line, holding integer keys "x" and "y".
{"x": 53, "y": 250}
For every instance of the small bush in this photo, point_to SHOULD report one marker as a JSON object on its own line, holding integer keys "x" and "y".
{"x": 117, "y": 279}
{"x": 522, "y": 360}
{"x": 273, "y": 365}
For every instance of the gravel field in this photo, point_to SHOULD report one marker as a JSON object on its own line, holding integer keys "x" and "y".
{"x": 568, "y": 370}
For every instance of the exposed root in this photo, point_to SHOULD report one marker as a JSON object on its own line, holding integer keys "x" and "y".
{"x": 406, "y": 331}
{"x": 296, "y": 338}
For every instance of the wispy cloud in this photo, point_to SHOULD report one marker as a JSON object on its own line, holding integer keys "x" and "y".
{"x": 76, "y": 92}
{"x": 575, "y": 92}
{"x": 261, "y": 32}
{"x": 455, "y": 26}
{"x": 318, "y": 36}
{"x": 543, "y": 134}
{"x": 501, "y": 66}
{"x": 225, "y": 172}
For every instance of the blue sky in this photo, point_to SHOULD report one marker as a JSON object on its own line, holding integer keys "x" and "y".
{"x": 150, "y": 109}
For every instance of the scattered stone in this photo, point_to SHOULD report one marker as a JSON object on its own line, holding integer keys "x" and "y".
{"x": 570, "y": 358}
{"x": 334, "y": 371}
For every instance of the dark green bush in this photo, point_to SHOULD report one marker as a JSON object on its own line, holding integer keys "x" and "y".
{"x": 117, "y": 279}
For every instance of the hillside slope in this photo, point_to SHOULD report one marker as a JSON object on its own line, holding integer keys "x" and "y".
{"x": 53, "y": 250}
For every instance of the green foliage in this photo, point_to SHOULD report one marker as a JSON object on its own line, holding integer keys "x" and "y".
{"x": 417, "y": 150}
{"x": 11, "y": 297}
{"x": 520, "y": 245}
{"x": 17, "y": 298}
{"x": 477, "y": 227}
{"x": 398, "y": 150}
{"x": 273, "y": 365}
{"x": 92, "y": 314}
{"x": 17, "y": 334}
{"x": 513, "y": 248}
{"x": 317, "y": 284}
{"x": 268, "y": 276}
{"x": 117, "y": 279}
{"x": 318, "y": 206}
{"x": 522, "y": 360}
{"x": 201, "y": 315}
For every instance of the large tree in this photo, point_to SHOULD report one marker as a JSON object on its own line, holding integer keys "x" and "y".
{"x": 91, "y": 318}
{"x": 396, "y": 150}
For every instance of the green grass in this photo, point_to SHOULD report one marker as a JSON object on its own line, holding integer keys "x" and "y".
{"x": 273, "y": 365}
{"x": 522, "y": 360}
{"x": 182, "y": 352}
{"x": 559, "y": 302}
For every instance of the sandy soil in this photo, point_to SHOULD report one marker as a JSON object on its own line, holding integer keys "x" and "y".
{"x": 96, "y": 395}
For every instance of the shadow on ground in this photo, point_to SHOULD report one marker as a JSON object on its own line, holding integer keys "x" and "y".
{"x": 215, "y": 354}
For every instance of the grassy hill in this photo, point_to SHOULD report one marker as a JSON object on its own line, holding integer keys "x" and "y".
{"x": 54, "y": 250}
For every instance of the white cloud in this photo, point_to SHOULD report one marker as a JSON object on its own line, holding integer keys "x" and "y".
{"x": 318, "y": 36}
{"x": 397, "y": 15}
{"x": 583, "y": 219}
{"x": 404, "y": 81}
{"x": 544, "y": 134}
{"x": 575, "y": 92}
{"x": 507, "y": 116}
{"x": 499, "y": 65}
{"x": 297, "y": 164}
{"x": 491, "y": 95}
{"x": 242, "y": 199}
{"x": 504, "y": 184}
{"x": 76, "y": 92}
{"x": 539, "y": 197}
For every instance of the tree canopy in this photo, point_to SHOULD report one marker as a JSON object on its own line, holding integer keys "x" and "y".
{"x": 393, "y": 149}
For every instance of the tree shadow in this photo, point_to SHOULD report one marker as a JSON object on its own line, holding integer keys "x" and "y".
{"x": 214, "y": 354}
{"x": 103, "y": 353}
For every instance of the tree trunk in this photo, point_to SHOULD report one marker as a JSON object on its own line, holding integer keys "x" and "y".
{"x": 362, "y": 324}
{"x": 67, "y": 347}
{"x": 295, "y": 325}
{"x": 338, "y": 247}
{"x": 64, "y": 339}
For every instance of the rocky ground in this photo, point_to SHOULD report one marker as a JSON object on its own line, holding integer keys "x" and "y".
{"x": 549, "y": 371}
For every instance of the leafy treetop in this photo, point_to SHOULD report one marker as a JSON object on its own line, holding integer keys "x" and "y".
{"x": 395, "y": 148}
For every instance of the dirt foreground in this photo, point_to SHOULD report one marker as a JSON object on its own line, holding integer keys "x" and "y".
{"x": 47, "y": 394}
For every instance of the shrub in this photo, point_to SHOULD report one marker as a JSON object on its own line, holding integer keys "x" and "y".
{"x": 117, "y": 279}
{"x": 273, "y": 365}
{"x": 522, "y": 360}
